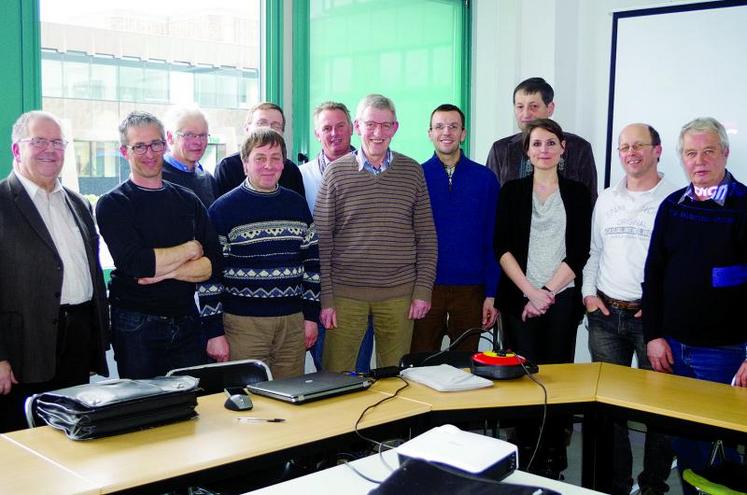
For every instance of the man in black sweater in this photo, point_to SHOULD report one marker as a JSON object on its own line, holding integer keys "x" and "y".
{"x": 162, "y": 243}
{"x": 695, "y": 278}
{"x": 230, "y": 171}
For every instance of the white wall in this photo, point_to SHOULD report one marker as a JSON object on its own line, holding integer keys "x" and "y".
{"x": 567, "y": 42}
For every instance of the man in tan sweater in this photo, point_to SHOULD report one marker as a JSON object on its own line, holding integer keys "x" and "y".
{"x": 377, "y": 243}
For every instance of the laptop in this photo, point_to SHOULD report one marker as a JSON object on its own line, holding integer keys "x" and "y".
{"x": 305, "y": 388}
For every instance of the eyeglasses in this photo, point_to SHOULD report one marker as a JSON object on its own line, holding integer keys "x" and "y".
{"x": 632, "y": 147}
{"x": 43, "y": 143}
{"x": 191, "y": 136}
{"x": 142, "y": 148}
{"x": 370, "y": 125}
{"x": 275, "y": 126}
{"x": 441, "y": 127}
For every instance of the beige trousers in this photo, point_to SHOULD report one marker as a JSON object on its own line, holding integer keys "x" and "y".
{"x": 276, "y": 340}
{"x": 392, "y": 332}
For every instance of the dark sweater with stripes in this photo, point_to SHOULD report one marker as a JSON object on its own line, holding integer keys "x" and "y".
{"x": 376, "y": 235}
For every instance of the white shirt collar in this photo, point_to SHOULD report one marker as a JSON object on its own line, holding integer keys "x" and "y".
{"x": 32, "y": 188}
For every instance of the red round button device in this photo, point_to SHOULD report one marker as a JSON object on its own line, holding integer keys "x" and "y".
{"x": 501, "y": 365}
{"x": 503, "y": 359}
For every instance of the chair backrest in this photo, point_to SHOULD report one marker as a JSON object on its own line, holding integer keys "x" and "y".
{"x": 215, "y": 377}
{"x": 718, "y": 483}
{"x": 458, "y": 359}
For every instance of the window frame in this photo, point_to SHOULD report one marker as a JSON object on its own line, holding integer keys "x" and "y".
{"x": 21, "y": 75}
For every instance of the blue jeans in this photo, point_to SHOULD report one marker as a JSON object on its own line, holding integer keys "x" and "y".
{"x": 614, "y": 339}
{"x": 150, "y": 345}
{"x": 715, "y": 364}
{"x": 362, "y": 364}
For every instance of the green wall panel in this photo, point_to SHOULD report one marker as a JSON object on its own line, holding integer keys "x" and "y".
{"x": 273, "y": 70}
{"x": 20, "y": 78}
{"x": 412, "y": 52}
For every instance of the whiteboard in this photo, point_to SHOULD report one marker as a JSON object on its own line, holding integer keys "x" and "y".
{"x": 672, "y": 64}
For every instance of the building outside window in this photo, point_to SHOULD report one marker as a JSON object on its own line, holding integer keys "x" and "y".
{"x": 101, "y": 60}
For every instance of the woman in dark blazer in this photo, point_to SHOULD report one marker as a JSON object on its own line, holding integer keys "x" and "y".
{"x": 542, "y": 239}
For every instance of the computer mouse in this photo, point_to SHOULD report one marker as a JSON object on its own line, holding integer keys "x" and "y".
{"x": 238, "y": 402}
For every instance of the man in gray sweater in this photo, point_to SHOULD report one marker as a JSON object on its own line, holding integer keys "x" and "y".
{"x": 377, "y": 243}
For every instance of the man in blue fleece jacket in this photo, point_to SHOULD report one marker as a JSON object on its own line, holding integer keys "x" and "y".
{"x": 464, "y": 196}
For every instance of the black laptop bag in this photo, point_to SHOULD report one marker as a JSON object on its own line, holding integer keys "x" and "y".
{"x": 115, "y": 406}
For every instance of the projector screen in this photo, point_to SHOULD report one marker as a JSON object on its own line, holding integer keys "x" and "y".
{"x": 672, "y": 64}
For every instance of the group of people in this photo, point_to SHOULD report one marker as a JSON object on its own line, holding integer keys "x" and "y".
{"x": 265, "y": 258}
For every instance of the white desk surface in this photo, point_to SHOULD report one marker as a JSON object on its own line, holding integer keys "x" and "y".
{"x": 342, "y": 479}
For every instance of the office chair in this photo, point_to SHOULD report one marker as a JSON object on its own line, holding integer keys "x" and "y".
{"x": 458, "y": 359}
{"x": 721, "y": 476}
{"x": 719, "y": 480}
{"x": 214, "y": 377}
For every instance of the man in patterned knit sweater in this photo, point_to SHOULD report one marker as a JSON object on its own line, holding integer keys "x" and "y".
{"x": 268, "y": 292}
{"x": 377, "y": 243}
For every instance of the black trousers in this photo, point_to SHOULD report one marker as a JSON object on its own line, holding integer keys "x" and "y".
{"x": 546, "y": 339}
{"x": 75, "y": 358}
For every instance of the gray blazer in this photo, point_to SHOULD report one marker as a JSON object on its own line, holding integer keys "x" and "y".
{"x": 31, "y": 284}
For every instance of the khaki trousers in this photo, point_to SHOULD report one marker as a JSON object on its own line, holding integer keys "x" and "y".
{"x": 276, "y": 340}
{"x": 392, "y": 332}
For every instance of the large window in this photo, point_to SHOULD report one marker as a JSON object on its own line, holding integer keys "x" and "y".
{"x": 101, "y": 60}
{"x": 412, "y": 52}
{"x": 226, "y": 87}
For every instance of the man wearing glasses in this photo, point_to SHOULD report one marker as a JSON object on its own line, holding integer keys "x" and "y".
{"x": 54, "y": 325}
{"x": 187, "y": 136}
{"x": 620, "y": 234}
{"x": 162, "y": 244}
{"x": 230, "y": 171}
{"x": 333, "y": 127}
{"x": 377, "y": 243}
{"x": 464, "y": 197}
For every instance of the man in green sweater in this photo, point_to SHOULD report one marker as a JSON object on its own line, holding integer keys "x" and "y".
{"x": 377, "y": 243}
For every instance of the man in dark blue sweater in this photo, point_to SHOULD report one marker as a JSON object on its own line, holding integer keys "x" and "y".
{"x": 464, "y": 197}
{"x": 267, "y": 296}
{"x": 696, "y": 274}
{"x": 230, "y": 171}
{"x": 162, "y": 243}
